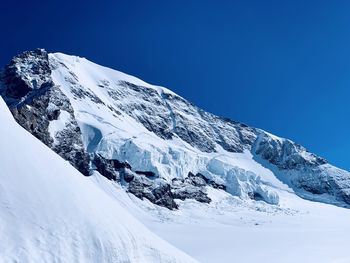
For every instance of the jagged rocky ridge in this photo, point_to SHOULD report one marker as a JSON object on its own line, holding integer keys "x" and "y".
{"x": 79, "y": 109}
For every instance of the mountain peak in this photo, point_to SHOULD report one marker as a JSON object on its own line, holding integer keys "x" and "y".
{"x": 99, "y": 118}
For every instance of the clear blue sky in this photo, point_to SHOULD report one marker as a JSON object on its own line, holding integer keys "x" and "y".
{"x": 283, "y": 66}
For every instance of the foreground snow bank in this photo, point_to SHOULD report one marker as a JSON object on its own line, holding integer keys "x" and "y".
{"x": 230, "y": 229}
{"x": 51, "y": 213}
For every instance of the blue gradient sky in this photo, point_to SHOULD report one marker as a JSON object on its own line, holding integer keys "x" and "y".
{"x": 283, "y": 66}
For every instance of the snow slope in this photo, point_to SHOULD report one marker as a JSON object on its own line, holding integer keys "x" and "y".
{"x": 230, "y": 229}
{"x": 49, "y": 212}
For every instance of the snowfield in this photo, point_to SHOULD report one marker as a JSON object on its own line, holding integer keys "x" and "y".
{"x": 233, "y": 230}
{"x": 49, "y": 212}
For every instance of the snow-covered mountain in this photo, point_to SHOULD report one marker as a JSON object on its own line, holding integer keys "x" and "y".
{"x": 157, "y": 144}
{"x": 49, "y": 212}
{"x": 167, "y": 160}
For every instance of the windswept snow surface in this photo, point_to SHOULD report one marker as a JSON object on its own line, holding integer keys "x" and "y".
{"x": 49, "y": 212}
{"x": 230, "y": 229}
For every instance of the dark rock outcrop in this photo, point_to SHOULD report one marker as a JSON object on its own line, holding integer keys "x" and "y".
{"x": 27, "y": 72}
{"x": 111, "y": 168}
{"x": 162, "y": 193}
{"x": 191, "y": 192}
{"x": 35, "y": 101}
{"x": 157, "y": 191}
{"x": 285, "y": 154}
{"x": 200, "y": 180}
{"x": 146, "y": 173}
{"x": 145, "y": 184}
{"x": 105, "y": 167}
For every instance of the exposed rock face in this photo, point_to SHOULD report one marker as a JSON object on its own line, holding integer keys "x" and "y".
{"x": 304, "y": 170}
{"x": 324, "y": 179}
{"x": 106, "y": 167}
{"x": 32, "y": 118}
{"x": 146, "y": 185}
{"x": 200, "y": 180}
{"x": 285, "y": 154}
{"x": 26, "y": 73}
{"x": 169, "y": 115}
{"x": 35, "y": 102}
{"x": 153, "y": 107}
{"x": 192, "y": 187}
{"x": 158, "y": 193}
{"x": 162, "y": 193}
{"x": 184, "y": 191}
{"x": 146, "y": 173}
